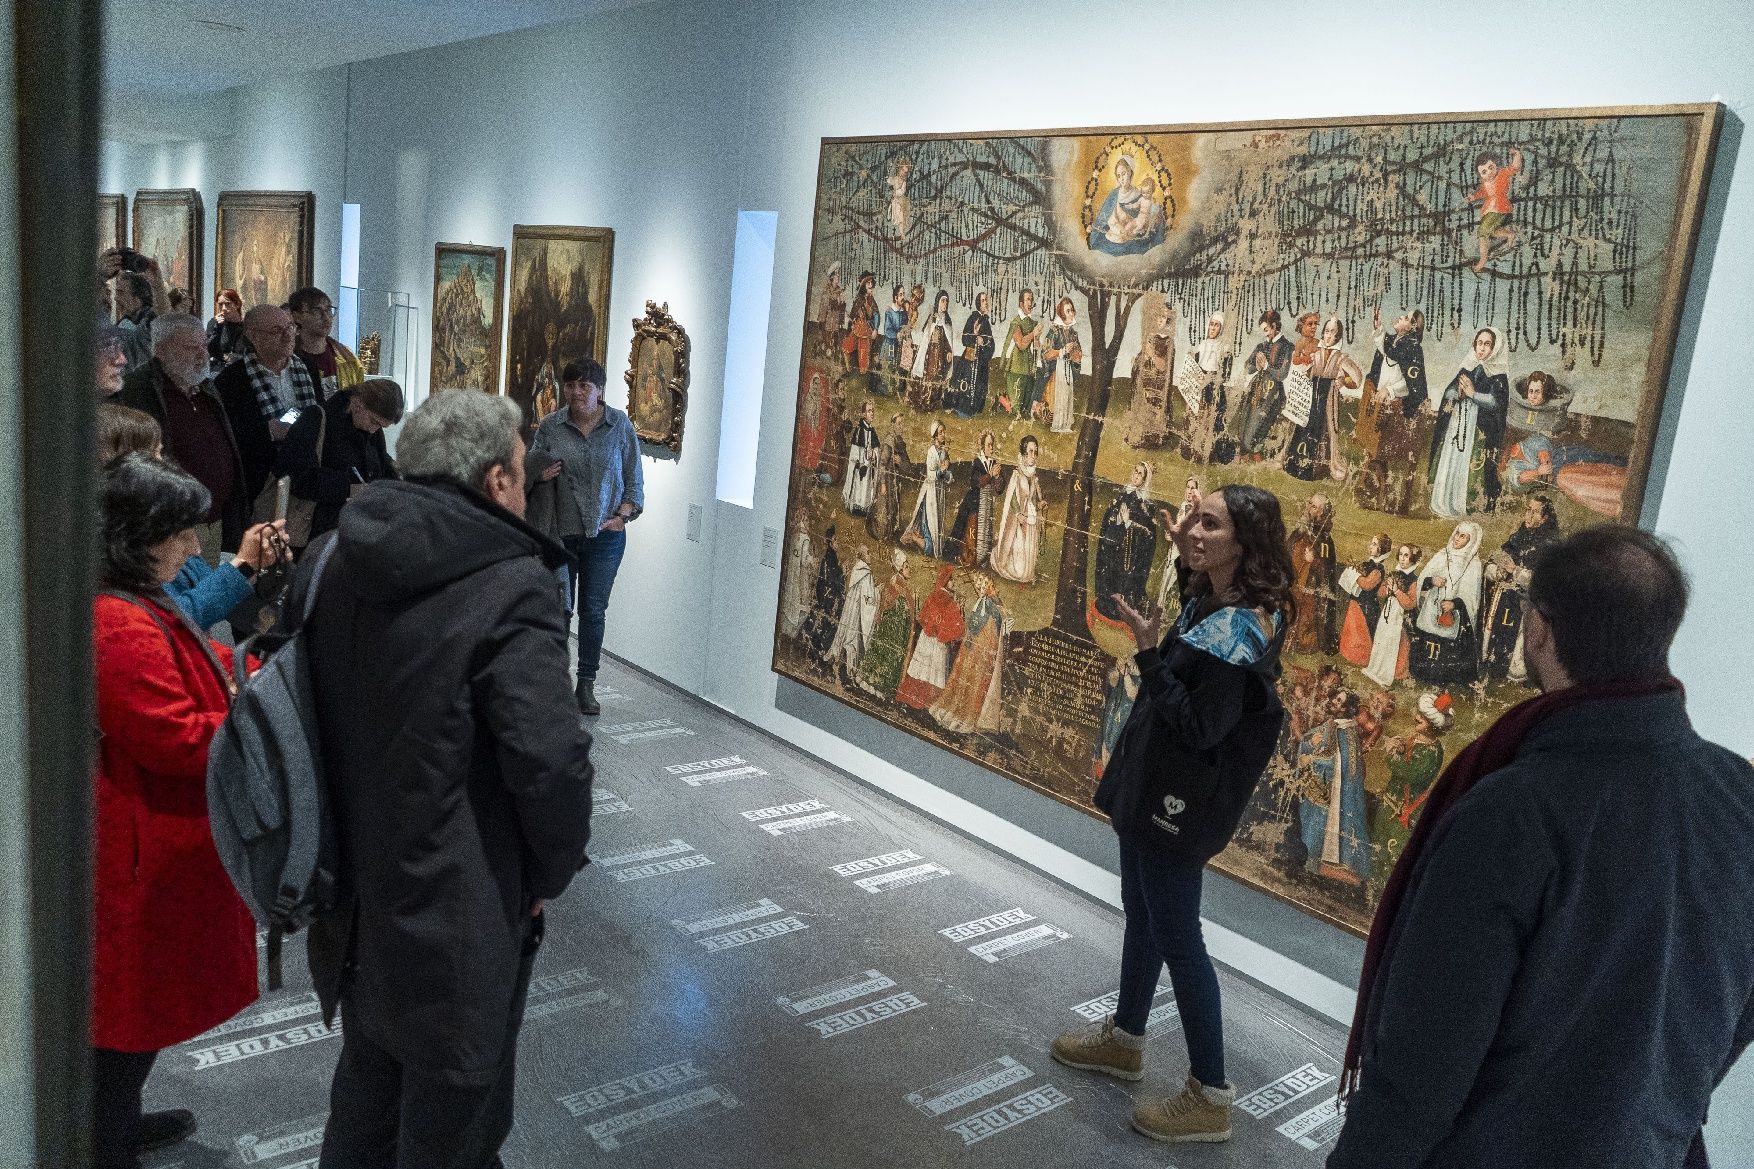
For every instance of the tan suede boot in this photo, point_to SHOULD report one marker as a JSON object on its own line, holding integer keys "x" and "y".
{"x": 1200, "y": 1113}
{"x": 1103, "y": 1048}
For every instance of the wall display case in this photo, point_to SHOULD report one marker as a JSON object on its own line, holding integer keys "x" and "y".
{"x": 1442, "y": 341}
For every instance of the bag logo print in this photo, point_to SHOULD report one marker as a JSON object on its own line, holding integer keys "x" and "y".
{"x": 1172, "y": 807}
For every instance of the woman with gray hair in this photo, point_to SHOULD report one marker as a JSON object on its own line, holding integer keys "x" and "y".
{"x": 175, "y": 949}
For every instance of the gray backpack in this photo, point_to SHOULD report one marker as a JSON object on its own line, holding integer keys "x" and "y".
{"x": 265, "y": 796}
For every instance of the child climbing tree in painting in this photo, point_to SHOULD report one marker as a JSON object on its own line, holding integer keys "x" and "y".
{"x": 1493, "y": 195}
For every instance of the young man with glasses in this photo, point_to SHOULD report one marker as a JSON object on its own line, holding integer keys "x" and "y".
{"x": 333, "y": 365}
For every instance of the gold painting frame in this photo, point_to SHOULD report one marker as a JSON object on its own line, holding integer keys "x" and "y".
{"x": 658, "y": 404}
{"x": 274, "y": 259}
{"x": 491, "y": 329}
{"x": 550, "y": 267}
{"x": 874, "y": 191}
{"x": 182, "y": 268}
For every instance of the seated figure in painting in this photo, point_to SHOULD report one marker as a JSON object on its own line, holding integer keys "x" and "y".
{"x": 1130, "y": 222}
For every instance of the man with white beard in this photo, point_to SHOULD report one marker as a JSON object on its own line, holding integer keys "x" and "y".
{"x": 174, "y": 388}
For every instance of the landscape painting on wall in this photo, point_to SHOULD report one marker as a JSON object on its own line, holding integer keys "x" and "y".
{"x": 112, "y": 222}
{"x": 262, "y": 244}
{"x": 168, "y": 228}
{"x": 468, "y": 298}
{"x": 1442, "y": 341}
{"x": 559, "y": 309}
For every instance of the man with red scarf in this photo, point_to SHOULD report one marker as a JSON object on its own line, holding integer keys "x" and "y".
{"x": 1562, "y": 966}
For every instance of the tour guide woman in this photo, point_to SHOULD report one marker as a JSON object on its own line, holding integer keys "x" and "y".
{"x": 1198, "y": 738}
{"x": 595, "y": 446}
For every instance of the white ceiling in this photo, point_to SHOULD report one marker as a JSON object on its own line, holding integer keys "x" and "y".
{"x": 185, "y": 48}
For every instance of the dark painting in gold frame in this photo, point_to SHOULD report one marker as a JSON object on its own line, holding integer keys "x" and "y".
{"x": 558, "y": 309}
{"x": 262, "y": 244}
{"x": 962, "y": 601}
{"x": 657, "y": 378}
{"x": 168, "y": 227}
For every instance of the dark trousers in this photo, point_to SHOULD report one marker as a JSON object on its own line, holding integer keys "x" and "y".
{"x": 595, "y": 563}
{"x": 117, "y": 1079}
{"x": 384, "y": 1114}
{"x": 1162, "y": 902}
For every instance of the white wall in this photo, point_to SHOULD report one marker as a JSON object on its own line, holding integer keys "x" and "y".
{"x": 663, "y": 121}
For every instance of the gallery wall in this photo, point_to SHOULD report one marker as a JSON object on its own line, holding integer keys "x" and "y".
{"x": 663, "y": 121}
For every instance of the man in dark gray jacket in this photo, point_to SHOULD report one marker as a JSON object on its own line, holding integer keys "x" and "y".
{"x": 1571, "y": 971}
{"x": 461, "y": 800}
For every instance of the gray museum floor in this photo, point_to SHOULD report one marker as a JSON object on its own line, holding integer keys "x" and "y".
{"x": 769, "y": 964}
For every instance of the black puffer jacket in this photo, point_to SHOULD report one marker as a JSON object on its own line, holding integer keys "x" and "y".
{"x": 1200, "y": 735}
{"x": 459, "y": 773}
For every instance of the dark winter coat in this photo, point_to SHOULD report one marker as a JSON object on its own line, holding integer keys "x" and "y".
{"x": 1200, "y": 734}
{"x": 174, "y": 949}
{"x": 459, "y": 774}
{"x": 326, "y": 476}
{"x": 144, "y": 389}
{"x": 248, "y": 428}
{"x": 1574, "y": 972}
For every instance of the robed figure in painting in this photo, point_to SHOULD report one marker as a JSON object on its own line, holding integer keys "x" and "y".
{"x": 1508, "y": 573}
{"x": 970, "y": 537}
{"x": 891, "y": 642}
{"x": 1445, "y": 643}
{"x": 1313, "y": 565}
{"x": 934, "y": 350}
{"x": 973, "y": 699}
{"x": 1020, "y": 521}
{"x": 860, "y": 486}
{"x": 1205, "y": 417}
{"x": 967, "y": 395}
{"x": 1314, "y": 452}
{"x": 1397, "y": 380}
{"x": 1126, "y": 543}
{"x": 795, "y": 595}
{"x": 825, "y": 599}
{"x": 1398, "y": 596}
{"x": 884, "y": 522}
{"x": 1151, "y": 414}
{"x": 1414, "y": 764}
{"x": 1336, "y": 832}
{"x": 942, "y": 626}
{"x": 858, "y": 619}
{"x": 1263, "y": 397}
{"x": 1362, "y": 583}
{"x": 925, "y": 530}
{"x": 1470, "y": 428}
{"x": 1061, "y": 355}
{"x": 834, "y": 309}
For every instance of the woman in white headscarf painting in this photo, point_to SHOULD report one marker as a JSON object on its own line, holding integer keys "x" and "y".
{"x": 1470, "y": 428}
{"x": 1445, "y": 640}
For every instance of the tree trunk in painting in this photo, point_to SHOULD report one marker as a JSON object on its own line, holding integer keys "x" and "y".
{"x": 1072, "y": 593}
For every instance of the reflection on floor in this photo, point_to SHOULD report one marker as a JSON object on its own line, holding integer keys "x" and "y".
{"x": 770, "y": 965}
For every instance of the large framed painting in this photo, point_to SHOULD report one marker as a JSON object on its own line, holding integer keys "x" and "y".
{"x": 559, "y": 309}
{"x": 657, "y": 378}
{"x": 468, "y": 305}
{"x": 112, "y": 222}
{"x": 262, "y": 244}
{"x": 168, "y": 228}
{"x": 1441, "y": 341}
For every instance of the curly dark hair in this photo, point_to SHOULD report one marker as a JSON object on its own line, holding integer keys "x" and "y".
{"x": 1263, "y": 576}
{"x": 145, "y": 502}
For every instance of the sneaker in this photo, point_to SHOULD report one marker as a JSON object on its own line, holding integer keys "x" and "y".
{"x": 587, "y": 696}
{"x": 161, "y": 1130}
{"x": 1198, "y": 1114}
{"x": 1104, "y": 1048}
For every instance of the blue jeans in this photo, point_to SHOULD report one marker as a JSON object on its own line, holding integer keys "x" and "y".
{"x": 1162, "y": 902}
{"x": 595, "y": 562}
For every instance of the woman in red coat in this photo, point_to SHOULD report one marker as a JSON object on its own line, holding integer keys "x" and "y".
{"x": 175, "y": 948}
